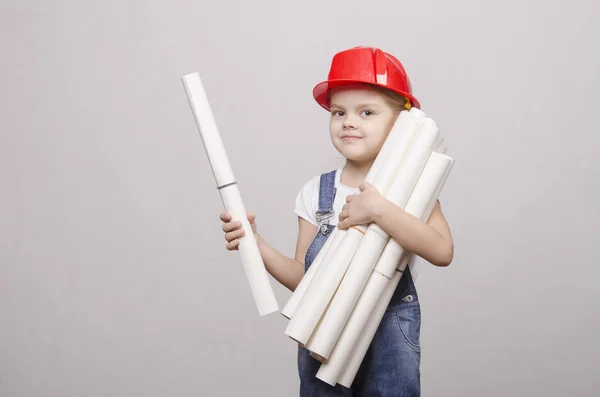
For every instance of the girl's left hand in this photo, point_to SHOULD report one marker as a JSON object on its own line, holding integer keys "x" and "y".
{"x": 359, "y": 208}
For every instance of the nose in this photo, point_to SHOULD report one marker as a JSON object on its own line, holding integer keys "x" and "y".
{"x": 349, "y": 123}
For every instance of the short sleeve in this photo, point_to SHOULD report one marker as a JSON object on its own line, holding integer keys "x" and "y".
{"x": 307, "y": 201}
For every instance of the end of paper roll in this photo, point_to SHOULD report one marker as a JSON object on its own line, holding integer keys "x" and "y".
{"x": 417, "y": 112}
{"x": 187, "y": 76}
{"x": 317, "y": 357}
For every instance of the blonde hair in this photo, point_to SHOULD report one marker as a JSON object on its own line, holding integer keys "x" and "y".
{"x": 396, "y": 101}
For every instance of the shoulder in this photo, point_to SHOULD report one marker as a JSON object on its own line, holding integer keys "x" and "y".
{"x": 307, "y": 200}
{"x": 310, "y": 187}
{"x": 313, "y": 185}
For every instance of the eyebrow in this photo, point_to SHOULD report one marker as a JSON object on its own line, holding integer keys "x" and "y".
{"x": 361, "y": 105}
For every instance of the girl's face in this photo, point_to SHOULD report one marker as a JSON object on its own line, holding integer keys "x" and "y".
{"x": 361, "y": 120}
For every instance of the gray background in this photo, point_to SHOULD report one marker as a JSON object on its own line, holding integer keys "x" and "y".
{"x": 114, "y": 277}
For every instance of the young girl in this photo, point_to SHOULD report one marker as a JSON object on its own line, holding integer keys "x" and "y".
{"x": 365, "y": 92}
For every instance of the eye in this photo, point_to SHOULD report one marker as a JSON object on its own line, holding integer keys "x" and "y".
{"x": 337, "y": 113}
{"x": 367, "y": 112}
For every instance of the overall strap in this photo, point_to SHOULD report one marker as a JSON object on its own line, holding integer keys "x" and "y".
{"x": 326, "y": 198}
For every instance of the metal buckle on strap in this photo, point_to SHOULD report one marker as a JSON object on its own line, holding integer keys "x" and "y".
{"x": 321, "y": 218}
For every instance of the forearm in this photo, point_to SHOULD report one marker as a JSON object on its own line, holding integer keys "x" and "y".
{"x": 288, "y": 271}
{"x": 412, "y": 233}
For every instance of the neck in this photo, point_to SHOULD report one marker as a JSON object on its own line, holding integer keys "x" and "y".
{"x": 354, "y": 173}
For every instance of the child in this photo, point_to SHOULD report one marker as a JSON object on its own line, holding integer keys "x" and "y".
{"x": 366, "y": 91}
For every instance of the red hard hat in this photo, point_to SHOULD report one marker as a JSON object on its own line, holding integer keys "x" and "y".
{"x": 365, "y": 65}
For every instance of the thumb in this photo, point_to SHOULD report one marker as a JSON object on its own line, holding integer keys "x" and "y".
{"x": 251, "y": 216}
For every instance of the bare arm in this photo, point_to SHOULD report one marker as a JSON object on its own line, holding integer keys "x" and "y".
{"x": 287, "y": 271}
{"x": 430, "y": 240}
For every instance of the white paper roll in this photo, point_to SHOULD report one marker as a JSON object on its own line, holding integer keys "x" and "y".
{"x": 332, "y": 322}
{"x": 413, "y": 164}
{"x": 331, "y": 370}
{"x": 427, "y": 186}
{"x": 346, "y": 357}
{"x": 350, "y": 367}
{"x": 438, "y": 142}
{"x": 406, "y": 121}
{"x": 371, "y": 247}
{"x": 442, "y": 148}
{"x": 290, "y": 307}
{"x": 406, "y": 128}
{"x": 254, "y": 267}
{"x": 322, "y": 287}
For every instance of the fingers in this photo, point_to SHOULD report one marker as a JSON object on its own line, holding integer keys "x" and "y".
{"x": 226, "y": 216}
{"x": 349, "y": 198}
{"x": 232, "y": 235}
{"x": 233, "y": 245}
{"x": 233, "y": 230}
{"x": 231, "y": 226}
{"x": 233, "y": 239}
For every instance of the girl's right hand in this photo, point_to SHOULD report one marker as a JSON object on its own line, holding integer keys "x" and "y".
{"x": 233, "y": 230}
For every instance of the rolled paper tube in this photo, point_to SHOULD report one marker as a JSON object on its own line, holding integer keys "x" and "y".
{"x": 407, "y": 120}
{"x": 416, "y": 206}
{"x": 292, "y": 304}
{"x": 254, "y": 267}
{"x": 322, "y": 287}
{"x": 332, "y": 322}
{"x": 372, "y": 245}
{"x": 332, "y": 371}
{"x": 438, "y": 142}
{"x": 443, "y": 148}
{"x": 328, "y": 276}
{"x": 406, "y": 128}
{"x": 360, "y": 329}
{"x": 350, "y": 367}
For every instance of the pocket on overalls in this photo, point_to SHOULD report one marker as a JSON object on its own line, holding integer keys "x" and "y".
{"x": 408, "y": 320}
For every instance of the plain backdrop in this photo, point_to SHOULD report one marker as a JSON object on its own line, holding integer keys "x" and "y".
{"x": 114, "y": 277}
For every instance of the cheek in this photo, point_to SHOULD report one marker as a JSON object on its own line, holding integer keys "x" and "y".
{"x": 379, "y": 131}
{"x": 385, "y": 128}
{"x": 334, "y": 126}
{"x": 391, "y": 122}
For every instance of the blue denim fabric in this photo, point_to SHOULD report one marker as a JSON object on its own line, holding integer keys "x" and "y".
{"x": 391, "y": 366}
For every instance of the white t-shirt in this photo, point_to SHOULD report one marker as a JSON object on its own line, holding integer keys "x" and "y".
{"x": 307, "y": 204}
{"x": 307, "y": 201}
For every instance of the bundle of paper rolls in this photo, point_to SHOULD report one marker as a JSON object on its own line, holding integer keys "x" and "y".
{"x": 337, "y": 307}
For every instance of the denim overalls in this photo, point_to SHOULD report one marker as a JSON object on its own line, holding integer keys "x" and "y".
{"x": 391, "y": 365}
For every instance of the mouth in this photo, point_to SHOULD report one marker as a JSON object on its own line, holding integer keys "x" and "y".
{"x": 350, "y": 138}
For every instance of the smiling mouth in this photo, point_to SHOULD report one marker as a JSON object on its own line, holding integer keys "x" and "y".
{"x": 349, "y": 137}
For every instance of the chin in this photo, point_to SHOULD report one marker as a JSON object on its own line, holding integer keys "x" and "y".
{"x": 354, "y": 156}
{"x": 354, "y": 153}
